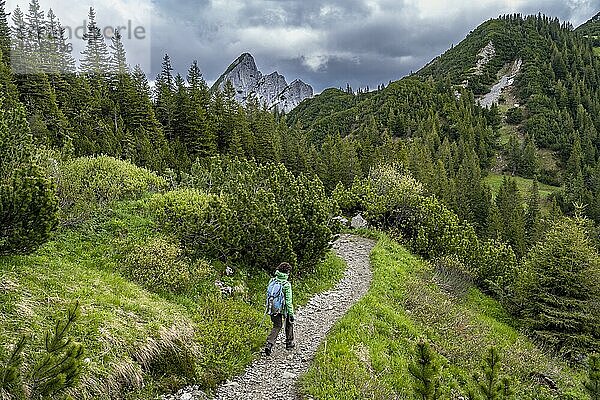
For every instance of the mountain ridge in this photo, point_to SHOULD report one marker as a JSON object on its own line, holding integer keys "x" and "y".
{"x": 271, "y": 89}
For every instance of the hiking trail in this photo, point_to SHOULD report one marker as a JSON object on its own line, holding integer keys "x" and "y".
{"x": 275, "y": 377}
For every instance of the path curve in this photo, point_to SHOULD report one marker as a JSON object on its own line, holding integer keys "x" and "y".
{"x": 313, "y": 321}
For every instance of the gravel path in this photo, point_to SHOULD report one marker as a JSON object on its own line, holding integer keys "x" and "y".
{"x": 281, "y": 370}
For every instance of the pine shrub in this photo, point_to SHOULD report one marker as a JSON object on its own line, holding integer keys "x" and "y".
{"x": 489, "y": 385}
{"x": 48, "y": 375}
{"x": 28, "y": 205}
{"x": 592, "y": 384}
{"x": 425, "y": 371}
{"x": 88, "y": 182}
{"x": 259, "y": 194}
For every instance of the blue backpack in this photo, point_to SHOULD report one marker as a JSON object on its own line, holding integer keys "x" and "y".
{"x": 275, "y": 297}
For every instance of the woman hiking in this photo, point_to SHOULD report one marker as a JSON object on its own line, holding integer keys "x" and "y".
{"x": 280, "y": 307}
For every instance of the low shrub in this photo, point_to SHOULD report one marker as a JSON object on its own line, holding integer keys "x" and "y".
{"x": 160, "y": 265}
{"x": 394, "y": 201}
{"x": 88, "y": 182}
{"x": 266, "y": 201}
{"x": 28, "y": 205}
{"x": 244, "y": 229}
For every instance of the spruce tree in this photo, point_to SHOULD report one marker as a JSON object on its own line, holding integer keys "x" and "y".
{"x": 592, "y": 384}
{"x": 164, "y": 93}
{"x": 202, "y": 142}
{"x": 533, "y": 216}
{"x": 560, "y": 290}
{"x": 510, "y": 206}
{"x": 5, "y": 39}
{"x": 95, "y": 61}
{"x": 425, "y": 372}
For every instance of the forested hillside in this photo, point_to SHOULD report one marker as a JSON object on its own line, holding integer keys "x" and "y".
{"x": 139, "y": 224}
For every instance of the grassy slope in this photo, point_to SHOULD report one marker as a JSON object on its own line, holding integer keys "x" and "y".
{"x": 495, "y": 181}
{"x": 119, "y": 316}
{"x": 367, "y": 353}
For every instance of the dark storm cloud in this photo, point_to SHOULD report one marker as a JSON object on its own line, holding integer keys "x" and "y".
{"x": 330, "y": 43}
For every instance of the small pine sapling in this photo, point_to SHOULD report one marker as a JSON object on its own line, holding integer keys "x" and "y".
{"x": 592, "y": 384}
{"x": 61, "y": 365}
{"x": 489, "y": 385}
{"x": 425, "y": 372}
{"x": 11, "y": 385}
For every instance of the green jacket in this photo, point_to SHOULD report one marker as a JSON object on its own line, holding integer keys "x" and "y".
{"x": 287, "y": 292}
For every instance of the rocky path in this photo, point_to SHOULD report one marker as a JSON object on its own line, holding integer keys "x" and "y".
{"x": 281, "y": 370}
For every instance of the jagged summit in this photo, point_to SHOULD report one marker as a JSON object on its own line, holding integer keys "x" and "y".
{"x": 272, "y": 89}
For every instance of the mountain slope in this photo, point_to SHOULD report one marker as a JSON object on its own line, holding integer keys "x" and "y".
{"x": 591, "y": 29}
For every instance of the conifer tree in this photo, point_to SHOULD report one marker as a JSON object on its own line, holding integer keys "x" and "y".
{"x": 59, "y": 58}
{"x": 28, "y": 204}
{"x": 560, "y": 289}
{"x": 510, "y": 206}
{"x": 49, "y": 375}
{"x": 425, "y": 372}
{"x": 164, "y": 93}
{"x": 489, "y": 385}
{"x": 96, "y": 60}
{"x": 5, "y": 40}
{"x": 202, "y": 142}
{"x": 592, "y": 384}
{"x": 118, "y": 58}
{"x": 533, "y": 216}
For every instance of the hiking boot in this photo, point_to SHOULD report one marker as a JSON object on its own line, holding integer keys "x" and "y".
{"x": 268, "y": 348}
{"x": 290, "y": 346}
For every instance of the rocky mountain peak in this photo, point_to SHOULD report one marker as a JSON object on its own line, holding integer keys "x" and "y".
{"x": 272, "y": 89}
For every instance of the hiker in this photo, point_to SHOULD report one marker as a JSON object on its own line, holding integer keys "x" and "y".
{"x": 280, "y": 307}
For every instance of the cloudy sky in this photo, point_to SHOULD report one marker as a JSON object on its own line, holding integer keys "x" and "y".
{"x": 325, "y": 43}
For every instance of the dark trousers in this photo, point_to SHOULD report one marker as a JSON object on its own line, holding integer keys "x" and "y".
{"x": 277, "y": 325}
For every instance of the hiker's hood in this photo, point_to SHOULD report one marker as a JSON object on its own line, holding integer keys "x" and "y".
{"x": 281, "y": 276}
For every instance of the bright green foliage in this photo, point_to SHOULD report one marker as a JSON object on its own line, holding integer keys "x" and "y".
{"x": 57, "y": 369}
{"x": 159, "y": 265}
{"x": 592, "y": 385}
{"x": 297, "y": 205}
{"x": 559, "y": 290}
{"x": 510, "y": 207}
{"x": 28, "y": 206}
{"x": 490, "y": 385}
{"x": 243, "y": 229}
{"x": 87, "y": 182}
{"x": 425, "y": 372}
{"x": 533, "y": 216}
{"x": 393, "y": 200}
{"x": 368, "y": 352}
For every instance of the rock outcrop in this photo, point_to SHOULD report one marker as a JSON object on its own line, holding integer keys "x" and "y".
{"x": 272, "y": 89}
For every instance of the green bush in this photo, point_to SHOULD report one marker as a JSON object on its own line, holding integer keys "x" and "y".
{"x": 88, "y": 182}
{"x": 270, "y": 195}
{"x": 514, "y": 116}
{"x": 28, "y": 206}
{"x": 160, "y": 265}
{"x": 559, "y": 290}
{"x": 245, "y": 229}
{"x": 394, "y": 201}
